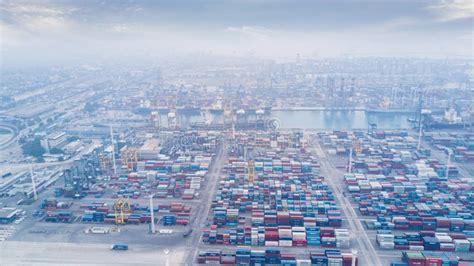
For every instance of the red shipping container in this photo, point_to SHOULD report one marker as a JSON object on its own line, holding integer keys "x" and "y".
{"x": 416, "y": 262}
{"x": 299, "y": 243}
{"x": 433, "y": 261}
{"x": 327, "y": 232}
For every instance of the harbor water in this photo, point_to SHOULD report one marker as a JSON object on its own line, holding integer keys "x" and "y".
{"x": 339, "y": 120}
{"x": 312, "y": 119}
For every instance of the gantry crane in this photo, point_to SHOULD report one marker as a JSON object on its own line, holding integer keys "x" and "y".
{"x": 129, "y": 158}
{"x": 355, "y": 147}
{"x": 105, "y": 162}
{"x": 121, "y": 206}
{"x": 251, "y": 170}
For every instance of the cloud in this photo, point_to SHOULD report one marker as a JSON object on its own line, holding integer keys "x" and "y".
{"x": 255, "y": 32}
{"x": 36, "y": 18}
{"x": 88, "y": 29}
{"x": 453, "y": 10}
{"x": 121, "y": 28}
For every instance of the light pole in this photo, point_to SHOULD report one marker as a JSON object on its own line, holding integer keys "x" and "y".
{"x": 152, "y": 214}
{"x": 33, "y": 184}
{"x": 419, "y": 137}
{"x": 354, "y": 256}
{"x": 350, "y": 160}
{"x": 167, "y": 252}
{"x": 113, "y": 150}
{"x": 449, "y": 162}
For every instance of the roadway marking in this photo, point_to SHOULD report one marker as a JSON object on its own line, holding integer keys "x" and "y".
{"x": 352, "y": 218}
{"x": 205, "y": 208}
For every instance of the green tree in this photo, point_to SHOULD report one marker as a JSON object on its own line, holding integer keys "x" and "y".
{"x": 72, "y": 138}
{"x": 56, "y": 151}
{"x": 33, "y": 148}
{"x": 91, "y": 107}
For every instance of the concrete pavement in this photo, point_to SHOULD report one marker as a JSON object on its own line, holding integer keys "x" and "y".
{"x": 367, "y": 253}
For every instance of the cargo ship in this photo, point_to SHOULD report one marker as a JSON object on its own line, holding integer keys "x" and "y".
{"x": 391, "y": 110}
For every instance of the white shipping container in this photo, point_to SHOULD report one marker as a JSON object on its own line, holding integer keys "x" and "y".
{"x": 385, "y": 238}
{"x": 447, "y": 245}
{"x": 285, "y": 243}
{"x": 417, "y": 248}
{"x": 386, "y": 245}
{"x": 299, "y": 235}
{"x": 343, "y": 244}
{"x": 298, "y": 229}
{"x": 334, "y": 261}
{"x": 444, "y": 239}
{"x": 195, "y": 186}
{"x": 271, "y": 243}
{"x": 300, "y": 262}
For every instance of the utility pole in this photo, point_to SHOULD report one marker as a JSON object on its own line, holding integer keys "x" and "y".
{"x": 449, "y": 162}
{"x": 113, "y": 150}
{"x": 152, "y": 215}
{"x": 419, "y": 136}
{"x": 420, "y": 107}
{"x": 33, "y": 184}
{"x": 350, "y": 160}
{"x": 167, "y": 253}
{"x": 354, "y": 257}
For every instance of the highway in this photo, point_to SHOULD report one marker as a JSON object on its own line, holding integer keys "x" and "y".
{"x": 14, "y": 132}
{"x": 333, "y": 176}
{"x": 25, "y": 166}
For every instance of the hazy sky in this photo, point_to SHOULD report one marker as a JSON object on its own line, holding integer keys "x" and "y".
{"x": 63, "y": 31}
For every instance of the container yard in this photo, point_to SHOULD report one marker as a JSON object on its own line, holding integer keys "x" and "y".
{"x": 247, "y": 256}
{"x": 249, "y": 133}
{"x": 172, "y": 182}
{"x": 150, "y": 196}
{"x": 408, "y": 199}
{"x": 269, "y": 197}
{"x": 272, "y": 198}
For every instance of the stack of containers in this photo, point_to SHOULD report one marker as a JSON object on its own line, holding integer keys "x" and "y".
{"x": 220, "y": 216}
{"x": 328, "y": 238}
{"x": 342, "y": 238}
{"x": 61, "y": 216}
{"x": 271, "y": 236}
{"x": 445, "y": 242}
{"x": 425, "y": 240}
{"x": 272, "y": 256}
{"x": 287, "y": 202}
{"x": 462, "y": 245}
{"x": 242, "y": 256}
{"x": 299, "y": 237}
{"x": 232, "y": 217}
{"x": 429, "y": 258}
{"x": 313, "y": 236}
{"x": 386, "y": 241}
{"x": 285, "y": 236}
{"x": 188, "y": 194}
{"x": 169, "y": 220}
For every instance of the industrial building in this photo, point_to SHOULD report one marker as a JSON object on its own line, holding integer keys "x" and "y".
{"x": 8, "y": 215}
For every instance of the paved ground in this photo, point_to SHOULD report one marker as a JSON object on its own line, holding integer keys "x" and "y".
{"x": 202, "y": 214}
{"x": 363, "y": 241}
{"x": 33, "y": 241}
{"x": 333, "y": 176}
{"x": 56, "y": 253}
